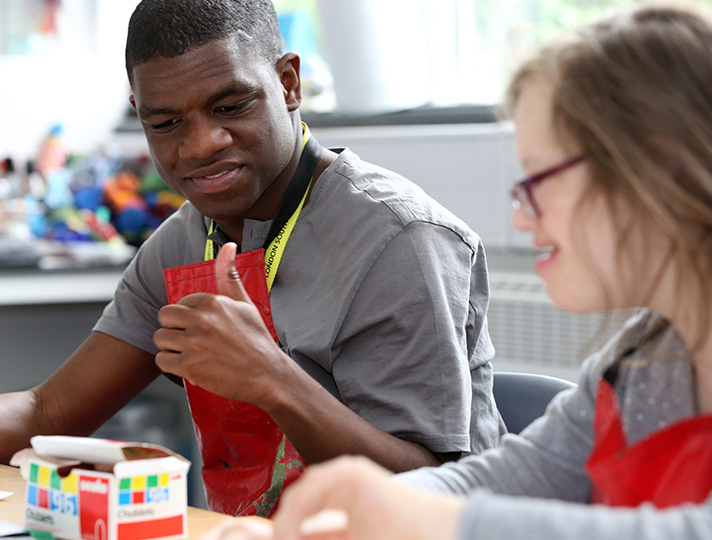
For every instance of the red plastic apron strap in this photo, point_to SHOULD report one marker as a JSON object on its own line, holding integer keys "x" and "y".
{"x": 247, "y": 460}
{"x": 669, "y": 467}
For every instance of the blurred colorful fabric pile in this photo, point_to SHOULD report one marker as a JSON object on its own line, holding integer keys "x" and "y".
{"x": 104, "y": 198}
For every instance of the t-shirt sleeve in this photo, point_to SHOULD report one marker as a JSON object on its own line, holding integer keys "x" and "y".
{"x": 412, "y": 342}
{"x": 534, "y": 485}
{"x": 132, "y": 315}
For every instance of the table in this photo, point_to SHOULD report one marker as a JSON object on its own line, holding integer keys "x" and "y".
{"x": 12, "y": 509}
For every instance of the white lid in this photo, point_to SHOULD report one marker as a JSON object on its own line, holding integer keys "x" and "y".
{"x": 98, "y": 451}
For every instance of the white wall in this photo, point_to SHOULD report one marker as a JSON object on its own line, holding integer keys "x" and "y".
{"x": 86, "y": 92}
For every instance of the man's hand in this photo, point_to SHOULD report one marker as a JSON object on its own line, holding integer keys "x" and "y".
{"x": 219, "y": 342}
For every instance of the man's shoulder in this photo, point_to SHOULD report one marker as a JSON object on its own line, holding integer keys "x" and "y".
{"x": 379, "y": 182}
{"x": 382, "y": 192}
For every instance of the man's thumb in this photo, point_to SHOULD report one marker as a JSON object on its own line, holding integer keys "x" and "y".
{"x": 229, "y": 282}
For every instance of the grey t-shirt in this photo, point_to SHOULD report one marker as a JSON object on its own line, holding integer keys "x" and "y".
{"x": 379, "y": 287}
{"x": 507, "y": 487}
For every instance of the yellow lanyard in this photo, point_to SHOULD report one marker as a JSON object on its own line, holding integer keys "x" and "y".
{"x": 275, "y": 250}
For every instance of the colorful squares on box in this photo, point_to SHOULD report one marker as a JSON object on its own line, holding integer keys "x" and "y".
{"x": 46, "y": 489}
{"x": 49, "y": 499}
{"x": 69, "y": 483}
{"x": 45, "y": 477}
{"x": 144, "y": 489}
{"x": 37, "y": 496}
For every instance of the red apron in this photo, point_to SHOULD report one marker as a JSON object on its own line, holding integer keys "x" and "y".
{"x": 669, "y": 467}
{"x": 247, "y": 460}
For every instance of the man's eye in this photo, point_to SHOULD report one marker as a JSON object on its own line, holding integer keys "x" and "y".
{"x": 231, "y": 109}
{"x": 164, "y": 126}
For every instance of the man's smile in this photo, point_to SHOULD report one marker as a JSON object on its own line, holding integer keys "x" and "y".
{"x": 216, "y": 180}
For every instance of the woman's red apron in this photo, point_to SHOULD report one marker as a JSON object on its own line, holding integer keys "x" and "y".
{"x": 247, "y": 460}
{"x": 669, "y": 467}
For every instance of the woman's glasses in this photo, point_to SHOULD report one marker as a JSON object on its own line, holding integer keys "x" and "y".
{"x": 522, "y": 194}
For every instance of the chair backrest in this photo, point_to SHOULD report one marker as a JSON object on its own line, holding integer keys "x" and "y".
{"x": 523, "y": 397}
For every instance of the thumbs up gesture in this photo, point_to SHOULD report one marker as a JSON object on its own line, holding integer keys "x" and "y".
{"x": 219, "y": 341}
{"x": 229, "y": 282}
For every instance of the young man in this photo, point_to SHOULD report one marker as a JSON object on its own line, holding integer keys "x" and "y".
{"x": 377, "y": 341}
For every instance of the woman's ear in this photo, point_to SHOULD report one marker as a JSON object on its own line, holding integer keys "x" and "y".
{"x": 288, "y": 71}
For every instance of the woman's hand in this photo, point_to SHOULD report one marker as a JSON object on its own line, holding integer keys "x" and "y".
{"x": 242, "y": 528}
{"x": 362, "y": 502}
{"x": 351, "y": 499}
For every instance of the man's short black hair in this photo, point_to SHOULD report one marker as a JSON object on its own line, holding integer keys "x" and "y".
{"x": 170, "y": 28}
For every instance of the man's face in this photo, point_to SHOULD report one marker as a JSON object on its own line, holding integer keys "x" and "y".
{"x": 219, "y": 126}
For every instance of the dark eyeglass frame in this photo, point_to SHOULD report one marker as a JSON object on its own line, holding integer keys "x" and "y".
{"x": 522, "y": 194}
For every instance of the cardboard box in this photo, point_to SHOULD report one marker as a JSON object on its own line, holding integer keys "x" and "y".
{"x": 81, "y": 488}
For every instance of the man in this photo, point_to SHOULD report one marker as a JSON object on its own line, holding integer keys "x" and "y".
{"x": 378, "y": 344}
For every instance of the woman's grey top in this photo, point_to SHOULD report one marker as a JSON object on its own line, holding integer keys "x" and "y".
{"x": 534, "y": 486}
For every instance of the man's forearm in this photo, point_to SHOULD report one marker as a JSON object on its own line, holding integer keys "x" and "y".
{"x": 321, "y": 427}
{"x": 18, "y": 422}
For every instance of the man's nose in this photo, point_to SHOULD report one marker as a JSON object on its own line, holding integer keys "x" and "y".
{"x": 203, "y": 140}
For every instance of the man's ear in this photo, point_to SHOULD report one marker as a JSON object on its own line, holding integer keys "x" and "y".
{"x": 288, "y": 71}
{"x": 132, "y": 101}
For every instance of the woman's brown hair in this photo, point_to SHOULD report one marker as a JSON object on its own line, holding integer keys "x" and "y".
{"x": 634, "y": 93}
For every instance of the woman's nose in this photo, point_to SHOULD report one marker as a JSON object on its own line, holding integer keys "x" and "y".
{"x": 521, "y": 221}
{"x": 203, "y": 140}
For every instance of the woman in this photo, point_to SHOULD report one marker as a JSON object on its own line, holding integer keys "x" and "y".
{"x": 615, "y": 128}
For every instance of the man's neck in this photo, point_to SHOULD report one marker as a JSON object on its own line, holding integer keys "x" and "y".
{"x": 266, "y": 208}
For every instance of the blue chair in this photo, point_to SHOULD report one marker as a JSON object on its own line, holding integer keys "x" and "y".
{"x": 523, "y": 397}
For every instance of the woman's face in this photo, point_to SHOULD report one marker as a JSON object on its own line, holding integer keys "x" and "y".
{"x": 577, "y": 268}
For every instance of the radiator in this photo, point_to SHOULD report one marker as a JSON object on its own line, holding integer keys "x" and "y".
{"x": 530, "y": 334}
